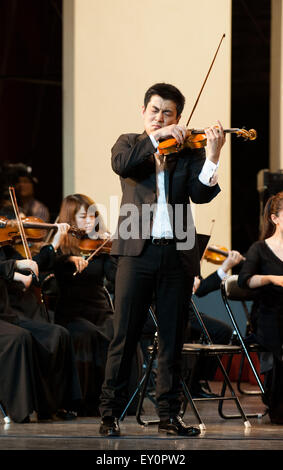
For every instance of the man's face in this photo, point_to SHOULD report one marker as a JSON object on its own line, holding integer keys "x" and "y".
{"x": 159, "y": 113}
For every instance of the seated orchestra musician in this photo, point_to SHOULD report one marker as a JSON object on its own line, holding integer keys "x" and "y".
{"x": 84, "y": 306}
{"x": 37, "y": 365}
{"x": 263, "y": 272}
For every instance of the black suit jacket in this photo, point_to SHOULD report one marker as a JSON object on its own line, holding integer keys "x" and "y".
{"x": 133, "y": 160}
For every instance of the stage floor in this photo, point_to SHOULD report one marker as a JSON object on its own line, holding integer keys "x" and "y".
{"x": 82, "y": 434}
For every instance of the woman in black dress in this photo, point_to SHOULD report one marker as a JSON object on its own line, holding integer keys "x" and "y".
{"x": 37, "y": 368}
{"x": 84, "y": 305}
{"x": 263, "y": 271}
{"x": 17, "y": 380}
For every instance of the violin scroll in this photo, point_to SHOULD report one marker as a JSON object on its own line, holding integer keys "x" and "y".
{"x": 247, "y": 135}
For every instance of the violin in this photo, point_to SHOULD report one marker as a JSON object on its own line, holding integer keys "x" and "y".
{"x": 196, "y": 138}
{"x": 97, "y": 246}
{"x": 34, "y": 228}
{"x": 94, "y": 247}
{"x": 215, "y": 254}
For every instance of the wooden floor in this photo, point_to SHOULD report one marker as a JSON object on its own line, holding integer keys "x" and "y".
{"x": 82, "y": 434}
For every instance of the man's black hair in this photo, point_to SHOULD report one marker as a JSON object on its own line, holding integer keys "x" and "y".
{"x": 167, "y": 92}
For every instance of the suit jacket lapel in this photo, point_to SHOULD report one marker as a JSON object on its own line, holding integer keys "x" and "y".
{"x": 141, "y": 137}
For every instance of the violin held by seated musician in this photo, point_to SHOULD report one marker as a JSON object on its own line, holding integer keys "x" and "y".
{"x": 216, "y": 254}
{"x": 35, "y": 229}
{"x": 88, "y": 245}
{"x": 219, "y": 254}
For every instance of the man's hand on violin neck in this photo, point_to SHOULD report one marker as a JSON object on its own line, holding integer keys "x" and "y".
{"x": 215, "y": 141}
{"x": 173, "y": 131}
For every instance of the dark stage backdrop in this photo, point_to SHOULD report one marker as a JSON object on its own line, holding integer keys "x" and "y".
{"x": 31, "y": 92}
{"x": 250, "y": 108}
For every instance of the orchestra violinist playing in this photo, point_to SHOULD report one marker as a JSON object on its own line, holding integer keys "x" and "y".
{"x": 45, "y": 380}
{"x": 262, "y": 272}
{"x": 84, "y": 306}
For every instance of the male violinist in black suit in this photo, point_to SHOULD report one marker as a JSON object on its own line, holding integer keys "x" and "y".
{"x": 156, "y": 249}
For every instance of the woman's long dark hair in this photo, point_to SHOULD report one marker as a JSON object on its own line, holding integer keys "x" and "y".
{"x": 273, "y": 206}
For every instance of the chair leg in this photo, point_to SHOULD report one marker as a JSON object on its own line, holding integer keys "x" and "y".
{"x": 221, "y": 402}
{"x": 227, "y": 383}
{"x": 123, "y": 414}
{"x": 144, "y": 383}
{"x": 189, "y": 399}
{"x": 225, "y": 375}
{"x": 239, "y": 335}
{"x": 144, "y": 386}
{"x": 5, "y": 417}
{"x": 239, "y": 381}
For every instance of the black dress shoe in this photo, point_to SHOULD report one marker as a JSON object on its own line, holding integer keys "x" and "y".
{"x": 109, "y": 426}
{"x": 177, "y": 427}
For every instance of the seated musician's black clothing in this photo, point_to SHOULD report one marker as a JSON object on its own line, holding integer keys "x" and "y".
{"x": 36, "y": 357}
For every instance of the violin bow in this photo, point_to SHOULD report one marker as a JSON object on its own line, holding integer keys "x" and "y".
{"x": 211, "y": 229}
{"x": 19, "y": 221}
{"x": 95, "y": 252}
{"x": 205, "y": 80}
{"x": 25, "y": 243}
{"x": 98, "y": 249}
{"x": 51, "y": 233}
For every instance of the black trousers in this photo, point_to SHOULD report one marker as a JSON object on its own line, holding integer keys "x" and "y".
{"x": 158, "y": 272}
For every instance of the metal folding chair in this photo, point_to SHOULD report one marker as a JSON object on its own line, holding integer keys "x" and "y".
{"x": 230, "y": 291}
{"x": 192, "y": 349}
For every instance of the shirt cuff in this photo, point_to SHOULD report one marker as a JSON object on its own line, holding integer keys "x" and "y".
{"x": 154, "y": 141}
{"x": 221, "y": 274}
{"x": 208, "y": 175}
